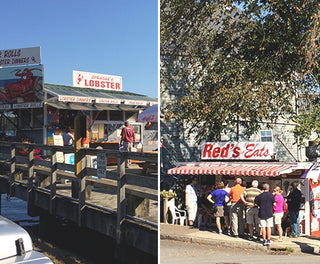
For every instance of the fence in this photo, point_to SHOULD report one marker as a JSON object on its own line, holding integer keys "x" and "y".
{"x": 42, "y": 176}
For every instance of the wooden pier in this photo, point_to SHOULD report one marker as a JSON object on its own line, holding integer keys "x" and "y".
{"x": 122, "y": 205}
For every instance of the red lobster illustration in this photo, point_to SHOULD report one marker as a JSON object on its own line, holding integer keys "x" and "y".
{"x": 24, "y": 84}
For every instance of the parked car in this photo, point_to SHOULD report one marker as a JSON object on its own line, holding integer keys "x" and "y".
{"x": 16, "y": 245}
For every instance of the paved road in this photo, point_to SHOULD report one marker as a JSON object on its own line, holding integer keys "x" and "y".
{"x": 177, "y": 252}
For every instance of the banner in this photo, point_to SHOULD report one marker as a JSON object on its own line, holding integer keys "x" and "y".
{"x": 97, "y": 81}
{"x": 21, "y": 84}
{"x": 237, "y": 151}
{"x": 23, "y": 56}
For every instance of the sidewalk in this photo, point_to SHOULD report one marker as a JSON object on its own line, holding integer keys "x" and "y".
{"x": 209, "y": 236}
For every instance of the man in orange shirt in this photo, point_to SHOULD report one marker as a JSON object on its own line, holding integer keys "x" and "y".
{"x": 237, "y": 209}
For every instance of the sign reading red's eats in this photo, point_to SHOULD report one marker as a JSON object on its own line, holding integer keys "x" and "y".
{"x": 97, "y": 81}
{"x": 237, "y": 151}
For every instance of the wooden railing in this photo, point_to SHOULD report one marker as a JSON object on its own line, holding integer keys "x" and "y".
{"x": 122, "y": 182}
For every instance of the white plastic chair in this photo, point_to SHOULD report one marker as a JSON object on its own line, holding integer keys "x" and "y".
{"x": 300, "y": 219}
{"x": 178, "y": 215}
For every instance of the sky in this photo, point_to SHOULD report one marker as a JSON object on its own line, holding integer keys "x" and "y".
{"x": 113, "y": 37}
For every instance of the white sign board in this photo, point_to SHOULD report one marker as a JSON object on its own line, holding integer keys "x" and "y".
{"x": 76, "y": 99}
{"x": 23, "y": 56}
{"x": 101, "y": 165}
{"x": 97, "y": 81}
{"x": 237, "y": 151}
{"x": 58, "y": 141}
{"x": 133, "y": 102}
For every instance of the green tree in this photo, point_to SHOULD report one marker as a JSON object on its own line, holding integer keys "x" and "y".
{"x": 237, "y": 63}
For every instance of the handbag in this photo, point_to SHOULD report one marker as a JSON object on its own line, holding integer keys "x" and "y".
{"x": 214, "y": 209}
{"x": 285, "y": 207}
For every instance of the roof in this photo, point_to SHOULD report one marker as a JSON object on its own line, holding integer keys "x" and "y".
{"x": 76, "y": 98}
{"x": 271, "y": 169}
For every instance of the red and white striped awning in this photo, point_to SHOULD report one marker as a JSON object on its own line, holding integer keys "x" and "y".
{"x": 271, "y": 169}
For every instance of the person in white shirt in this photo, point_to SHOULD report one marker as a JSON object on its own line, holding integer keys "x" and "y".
{"x": 191, "y": 200}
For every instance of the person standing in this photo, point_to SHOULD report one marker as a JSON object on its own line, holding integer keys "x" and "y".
{"x": 294, "y": 200}
{"x": 237, "y": 208}
{"x": 205, "y": 208}
{"x": 227, "y": 204}
{"x": 252, "y": 211}
{"x": 191, "y": 200}
{"x": 278, "y": 210}
{"x": 219, "y": 196}
{"x": 68, "y": 138}
{"x": 265, "y": 201}
{"x": 128, "y": 139}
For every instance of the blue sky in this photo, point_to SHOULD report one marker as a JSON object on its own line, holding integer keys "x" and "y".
{"x": 118, "y": 37}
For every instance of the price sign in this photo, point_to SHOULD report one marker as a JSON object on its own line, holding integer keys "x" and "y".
{"x": 101, "y": 165}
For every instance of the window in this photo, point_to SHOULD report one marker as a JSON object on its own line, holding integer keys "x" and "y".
{"x": 266, "y": 135}
{"x": 116, "y": 115}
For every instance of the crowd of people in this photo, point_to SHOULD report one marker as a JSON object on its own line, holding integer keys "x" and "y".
{"x": 258, "y": 209}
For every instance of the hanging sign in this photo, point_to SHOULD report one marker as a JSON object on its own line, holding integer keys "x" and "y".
{"x": 134, "y": 102}
{"x": 237, "y": 150}
{"x": 25, "y": 56}
{"x": 107, "y": 101}
{"x": 97, "y": 81}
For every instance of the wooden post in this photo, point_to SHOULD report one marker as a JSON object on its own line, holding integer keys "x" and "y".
{"x": 121, "y": 200}
{"x": 53, "y": 181}
{"x": 30, "y": 179}
{"x": 12, "y": 168}
{"x": 165, "y": 209}
{"x": 79, "y": 163}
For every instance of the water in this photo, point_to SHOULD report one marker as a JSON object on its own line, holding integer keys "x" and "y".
{"x": 67, "y": 244}
{"x": 16, "y": 210}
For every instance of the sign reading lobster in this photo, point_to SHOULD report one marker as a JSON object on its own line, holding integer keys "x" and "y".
{"x": 24, "y": 87}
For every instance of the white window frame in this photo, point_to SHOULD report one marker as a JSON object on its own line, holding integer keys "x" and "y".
{"x": 266, "y": 136}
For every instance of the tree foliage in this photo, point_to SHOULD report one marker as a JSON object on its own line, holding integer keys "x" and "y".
{"x": 238, "y": 63}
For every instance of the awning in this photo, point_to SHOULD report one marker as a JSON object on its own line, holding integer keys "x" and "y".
{"x": 313, "y": 173}
{"x": 269, "y": 169}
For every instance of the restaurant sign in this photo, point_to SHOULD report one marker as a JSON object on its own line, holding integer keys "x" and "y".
{"x": 135, "y": 102}
{"x": 107, "y": 101}
{"x": 97, "y": 81}
{"x": 74, "y": 99}
{"x": 25, "y": 56}
{"x": 237, "y": 151}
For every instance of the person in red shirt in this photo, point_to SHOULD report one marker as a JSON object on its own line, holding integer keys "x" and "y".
{"x": 237, "y": 209}
{"x": 128, "y": 139}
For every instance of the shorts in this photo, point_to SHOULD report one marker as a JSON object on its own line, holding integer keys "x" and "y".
{"x": 220, "y": 212}
{"x": 266, "y": 222}
{"x": 192, "y": 212}
{"x": 278, "y": 218}
{"x": 226, "y": 209}
{"x": 252, "y": 215}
